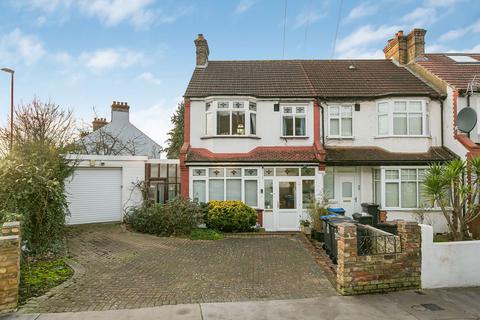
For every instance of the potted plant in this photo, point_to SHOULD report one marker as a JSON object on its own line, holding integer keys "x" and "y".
{"x": 316, "y": 209}
{"x": 305, "y": 226}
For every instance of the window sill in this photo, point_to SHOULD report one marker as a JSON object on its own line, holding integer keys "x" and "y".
{"x": 231, "y": 137}
{"x": 403, "y": 136}
{"x": 340, "y": 138}
{"x": 293, "y": 137}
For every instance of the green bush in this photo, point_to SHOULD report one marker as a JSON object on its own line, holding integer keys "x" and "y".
{"x": 32, "y": 186}
{"x": 176, "y": 217}
{"x": 231, "y": 216}
{"x": 205, "y": 234}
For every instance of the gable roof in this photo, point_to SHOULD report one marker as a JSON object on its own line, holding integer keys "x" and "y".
{"x": 457, "y": 74}
{"x": 305, "y": 79}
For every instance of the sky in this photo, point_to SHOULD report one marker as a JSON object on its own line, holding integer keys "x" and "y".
{"x": 84, "y": 54}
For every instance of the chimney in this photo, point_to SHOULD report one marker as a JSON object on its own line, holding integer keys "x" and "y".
{"x": 202, "y": 51}
{"x": 97, "y": 123}
{"x": 120, "y": 111}
{"x": 406, "y": 49}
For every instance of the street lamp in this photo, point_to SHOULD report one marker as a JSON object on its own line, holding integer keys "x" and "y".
{"x": 12, "y": 72}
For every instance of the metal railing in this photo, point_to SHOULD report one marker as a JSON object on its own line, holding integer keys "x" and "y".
{"x": 378, "y": 244}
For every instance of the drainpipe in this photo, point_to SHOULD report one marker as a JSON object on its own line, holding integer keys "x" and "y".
{"x": 441, "y": 122}
{"x": 323, "y": 121}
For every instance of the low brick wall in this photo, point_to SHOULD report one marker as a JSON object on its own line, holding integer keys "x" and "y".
{"x": 359, "y": 274}
{"x": 9, "y": 266}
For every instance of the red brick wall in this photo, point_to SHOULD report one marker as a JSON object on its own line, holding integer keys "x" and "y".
{"x": 9, "y": 266}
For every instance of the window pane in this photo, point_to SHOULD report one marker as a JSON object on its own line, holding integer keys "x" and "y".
{"x": 253, "y": 123}
{"x": 378, "y": 193}
{"x": 288, "y": 125}
{"x": 308, "y": 172}
{"x": 215, "y": 189}
{"x": 268, "y": 194}
{"x": 250, "y": 172}
{"x": 415, "y": 123}
{"x": 391, "y": 174}
{"x": 163, "y": 170}
{"x": 334, "y": 111}
{"x": 308, "y": 192}
{"x": 251, "y": 193}
{"x": 400, "y": 106}
{"x": 238, "y": 105}
{"x": 383, "y": 124}
{"x": 172, "y": 173}
{"x": 391, "y": 194}
{"x": 424, "y": 199}
{"x": 383, "y": 107}
{"x": 300, "y": 126}
{"x": 268, "y": 172}
{"x": 222, "y": 104}
{"x": 346, "y": 127}
{"x": 234, "y": 189}
{"x": 415, "y": 106}
{"x": 376, "y": 174}
{"x": 287, "y": 195}
{"x": 346, "y": 111}
{"x": 160, "y": 196}
{"x": 234, "y": 172}
{"x": 347, "y": 189}
{"x": 409, "y": 174}
{"x": 199, "y": 172}
{"x": 223, "y": 122}
{"x": 334, "y": 127}
{"x": 328, "y": 185}
{"x": 400, "y": 124}
{"x": 238, "y": 122}
{"x": 154, "y": 170}
{"x": 409, "y": 194}
{"x": 300, "y": 110}
{"x": 253, "y": 106}
{"x": 172, "y": 191}
{"x": 287, "y": 171}
{"x": 287, "y": 109}
{"x": 216, "y": 172}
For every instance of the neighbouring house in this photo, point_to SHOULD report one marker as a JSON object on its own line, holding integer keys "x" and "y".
{"x": 456, "y": 76}
{"x": 276, "y": 134}
{"x": 118, "y": 161}
{"x": 119, "y": 137}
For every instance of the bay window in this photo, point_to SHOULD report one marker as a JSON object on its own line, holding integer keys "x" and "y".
{"x": 293, "y": 121}
{"x": 230, "y": 118}
{"x": 402, "y": 118}
{"x": 340, "y": 121}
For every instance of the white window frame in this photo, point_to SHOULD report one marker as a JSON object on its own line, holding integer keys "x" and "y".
{"x": 391, "y": 111}
{"x": 339, "y": 118}
{"x": 214, "y": 109}
{"x": 384, "y": 181}
{"x": 294, "y": 114}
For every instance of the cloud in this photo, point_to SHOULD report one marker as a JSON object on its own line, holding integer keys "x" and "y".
{"x": 421, "y": 17}
{"x": 47, "y": 6}
{"x": 149, "y": 77}
{"x": 361, "y": 11}
{"x": 361, "y": 53}
{"x": 17, "y": 47}
{"x": 243, "y": 6}
{"x": 110, "y": 58}
{"x": 460, "y": 32}
{"x": 365, "y": 35}
{"x": 307, "y": 17}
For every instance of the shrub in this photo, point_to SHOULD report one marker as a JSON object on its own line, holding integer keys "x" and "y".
{"x": 231, "y": 216}
{"x": 205, "y": 234}
{"x": 176, "y": 217}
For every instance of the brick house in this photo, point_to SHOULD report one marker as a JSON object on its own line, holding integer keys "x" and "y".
{"x": 455, "y": 75}
{"x": 277, "y": 134}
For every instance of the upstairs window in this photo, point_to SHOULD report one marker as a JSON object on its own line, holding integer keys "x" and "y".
{"x": 402, "y": 118}
{"x": 225, "y": 118}
{"x": 340, "y": 120}
{"x": 293, "y": 121}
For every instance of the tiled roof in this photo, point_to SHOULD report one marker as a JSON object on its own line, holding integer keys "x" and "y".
{"x": 379, "y": 156}
{"x": 454, "y": 73}
{"x": 259, "y": 154}
{"x": 305, "y": 78}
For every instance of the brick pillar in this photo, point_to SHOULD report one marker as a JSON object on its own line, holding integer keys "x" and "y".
{"x": 346, "y": 257}
{"x": 10, "y": 252}
{"x": 410, "y": 234}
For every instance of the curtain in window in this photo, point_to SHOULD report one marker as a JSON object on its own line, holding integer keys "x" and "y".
{"x": 299, "y": 126}
{"x": 409, "y": 194}
{"x": 234, "y": 189}
{"x": 215, "y": 189}
{"x": 251, "y": 193}
{"x": 400, "y": 123}
{"x": 415, "y": 123}
{"x": 199, "y": 190}
{"x": 391, "y": 194}
{"x": 334, "y": 127}
{"x": 346, "y": 127}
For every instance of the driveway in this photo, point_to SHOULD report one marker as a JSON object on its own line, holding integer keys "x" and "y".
{"x": 117, "y": 269}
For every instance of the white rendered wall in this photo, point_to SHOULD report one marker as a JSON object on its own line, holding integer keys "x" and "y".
{"x": 365, "y": 129}
{"x": 449, "y": 264}
{"x": 449, "y": 141}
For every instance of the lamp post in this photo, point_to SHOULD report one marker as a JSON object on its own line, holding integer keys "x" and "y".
{"x": 12, "y": 73}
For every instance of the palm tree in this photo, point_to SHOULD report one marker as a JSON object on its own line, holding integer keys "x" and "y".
{"x": 455, "y": 188}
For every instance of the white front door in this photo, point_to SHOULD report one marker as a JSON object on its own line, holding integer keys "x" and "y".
{"x": 282, "y": 208}
{"x": 346, "y": 193}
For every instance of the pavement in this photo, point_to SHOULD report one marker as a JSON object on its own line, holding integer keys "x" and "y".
{"x": 439, "y": 304}
{"x": 117, "y": 269}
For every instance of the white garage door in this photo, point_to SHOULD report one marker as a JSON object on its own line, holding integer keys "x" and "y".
{"x": 95, "y": 195}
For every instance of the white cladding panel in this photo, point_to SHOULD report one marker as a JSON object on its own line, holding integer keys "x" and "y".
{"x": 95, "y": 195}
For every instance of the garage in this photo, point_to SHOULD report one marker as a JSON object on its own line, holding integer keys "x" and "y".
{"x": 95, "y": 195}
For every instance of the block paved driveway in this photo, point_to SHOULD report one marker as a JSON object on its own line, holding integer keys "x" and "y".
{"x": 121, "y": 270}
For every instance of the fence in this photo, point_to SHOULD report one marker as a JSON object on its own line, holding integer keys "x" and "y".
{"x": 372, "y": 241}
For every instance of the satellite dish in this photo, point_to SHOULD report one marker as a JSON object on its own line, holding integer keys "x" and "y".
{"x": 466, "y": 119}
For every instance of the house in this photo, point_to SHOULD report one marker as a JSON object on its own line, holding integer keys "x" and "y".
{"x": 119, "y": 137}
{"x": 277, "y": 134}
{"x": 455, "y": 75}
{"x": 109, "y": 177}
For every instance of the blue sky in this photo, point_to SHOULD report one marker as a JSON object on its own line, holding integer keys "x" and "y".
{"x": 83, "y": 54}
